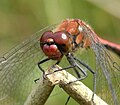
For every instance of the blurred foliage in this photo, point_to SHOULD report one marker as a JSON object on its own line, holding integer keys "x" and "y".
{"x": 21, "y": 18}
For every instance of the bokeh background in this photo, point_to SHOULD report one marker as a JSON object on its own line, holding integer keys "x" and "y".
{"x": 21, "y": 18}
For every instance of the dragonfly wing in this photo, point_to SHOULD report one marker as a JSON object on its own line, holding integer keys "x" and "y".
{"x": 108, "y": 76}
{"x": 18, "y": 70}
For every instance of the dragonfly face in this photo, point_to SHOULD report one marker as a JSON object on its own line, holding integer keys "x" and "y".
{"x": 54, "y": 45}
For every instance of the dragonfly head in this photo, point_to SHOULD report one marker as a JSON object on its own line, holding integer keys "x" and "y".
{"x": 55, "y": 45}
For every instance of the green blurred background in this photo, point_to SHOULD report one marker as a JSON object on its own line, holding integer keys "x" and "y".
{"x": 21, "y": 18}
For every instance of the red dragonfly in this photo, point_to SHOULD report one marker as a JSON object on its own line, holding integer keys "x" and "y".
{"x": 18, "y": 67}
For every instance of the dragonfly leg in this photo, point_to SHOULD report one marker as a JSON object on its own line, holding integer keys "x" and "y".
{"x": 67, "y": 100}
{"x": 65, "y": 68}
{"x": 92, "y": 71}
{"x": 39, "y": 63}
{"x": 73, "y": 62}
{"x": 73, "y": 59}
{"x": 44, "y": 60}
{"x": 36, "y": 80}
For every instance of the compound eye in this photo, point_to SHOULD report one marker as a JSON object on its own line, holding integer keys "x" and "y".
{"x": 61, "y": 38}
{"x": 46, "y": 35}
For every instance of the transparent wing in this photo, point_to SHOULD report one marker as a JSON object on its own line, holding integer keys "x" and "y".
{"x": 108, "y": 78}
{"x": 108, "y": 73}
{"x": 18, "y": 70}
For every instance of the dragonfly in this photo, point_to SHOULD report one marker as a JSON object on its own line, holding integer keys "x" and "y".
{"x": 20, "y": 66}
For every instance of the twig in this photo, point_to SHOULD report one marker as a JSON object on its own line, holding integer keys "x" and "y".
{"x": 40, "y": 93}
{"x": 77, "y": 90}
